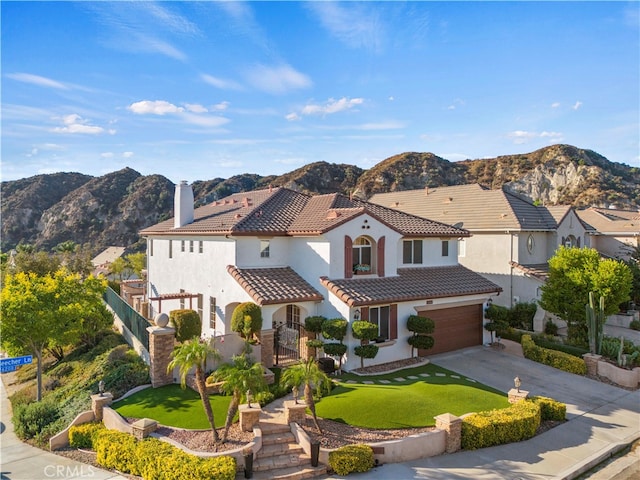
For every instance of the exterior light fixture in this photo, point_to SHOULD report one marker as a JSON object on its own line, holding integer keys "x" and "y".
{"x": 517, "y": 383}
{"x": 356, "y": 314}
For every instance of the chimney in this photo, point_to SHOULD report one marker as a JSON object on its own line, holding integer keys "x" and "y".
{"x": 183, "y": 205}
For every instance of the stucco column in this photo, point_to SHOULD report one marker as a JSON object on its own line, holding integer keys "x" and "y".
{"x": 453, "y": 426}
{"x": 266, "y": 343}
{"x": 161, "y": 342}
{"x": 98, "y": 402}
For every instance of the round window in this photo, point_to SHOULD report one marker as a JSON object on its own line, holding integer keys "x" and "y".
{"x": 530, "y": 243}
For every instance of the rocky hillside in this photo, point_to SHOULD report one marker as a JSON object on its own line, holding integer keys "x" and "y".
{"x": 46, "y": 210}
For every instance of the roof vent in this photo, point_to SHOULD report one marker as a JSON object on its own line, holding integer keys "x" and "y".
{"x": 503, "y": 216}
{"x": 332, "y": 214}
{"x": 237, "y": 216}
{"x": 448, "y": 200}
{"x": 246, "y": 202}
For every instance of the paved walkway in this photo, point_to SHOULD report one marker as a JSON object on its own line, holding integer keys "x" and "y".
{"x": 20, "y": 461}
{"x": 602, "y": 419}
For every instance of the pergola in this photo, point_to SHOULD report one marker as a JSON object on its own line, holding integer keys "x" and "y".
{"x": 174, "y": 296}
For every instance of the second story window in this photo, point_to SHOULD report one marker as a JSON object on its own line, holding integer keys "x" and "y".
{"x": 264, "y": 248}
{"x": 412, "y": 251}
{"x": 445, "y": 248}
{"x": 362, "y": 256}
{"x": 190, "y": 246}
{"x": 182, "y": 245}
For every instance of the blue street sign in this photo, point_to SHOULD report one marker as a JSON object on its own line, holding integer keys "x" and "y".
{"x": 12, "y": 364}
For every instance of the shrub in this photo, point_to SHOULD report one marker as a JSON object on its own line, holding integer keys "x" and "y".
{"x": 634, "y": 325}
{"x": 521, "y": 315}
{"x": 496, "y": 427}
{"x": 83, "y": 436}
{"x": 116, "y": 450}
{"x": 553, "y": 358}
{"x": 153, "y": 459}
{"x": 421, "y": 342}
{"x": 187, "y": 324}
{"x": 364, "y": 330}
{"x": 334, "y": 328}
{"x": 550, "y": 409}
{"x": 550, "y": 328}
{"x": 314, "y": 324}
{"x": 246, "y": 320}
{"x": 418, "y": 324}
{"x": 30, "y": 419}
{"x": 335, "y": 349}
{"x": 366, "y": 351}
{"x": 351, "y": 458}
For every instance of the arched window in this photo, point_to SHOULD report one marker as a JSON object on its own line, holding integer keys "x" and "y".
{"x": 362, "y": 256}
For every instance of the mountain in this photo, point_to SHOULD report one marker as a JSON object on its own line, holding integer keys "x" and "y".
{"x": 46, "y": 210}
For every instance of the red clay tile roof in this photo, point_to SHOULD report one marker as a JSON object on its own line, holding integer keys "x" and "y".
{"x": 538, "y": 270}
{"x": 281, "y": 211}
{"x": 411, "y": 284}
{"x": 268, "y": 286}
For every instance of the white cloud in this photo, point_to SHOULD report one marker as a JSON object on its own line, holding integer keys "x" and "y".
{"x": 456, "y": 103}
{"x": 555, "y": 104}
{"x": 381, "y": 126}
{"x": 221, "y": 83}
{"x": 221, "y": 106}
{"x": 107, "y": 155}
{"x": 203, "y": 120}
{"x": 577, "y": 105}
{"x": 127, "y": 154}
{"x": 37, "y": 80}
{"x": 521, "y": 136}
{"x": 277, "y": 80}
{"x": 155, "y": 107}
{"x": 355, "y": 25}
{"x": 74, "y": 123}
{"x": 195, "y": 108}
{"x": 331, "y": 106}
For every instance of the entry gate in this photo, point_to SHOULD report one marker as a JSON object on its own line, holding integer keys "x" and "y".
{"x": 288, "y": 341}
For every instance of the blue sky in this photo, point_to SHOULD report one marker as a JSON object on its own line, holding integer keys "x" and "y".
{"x": 199, "y": 90}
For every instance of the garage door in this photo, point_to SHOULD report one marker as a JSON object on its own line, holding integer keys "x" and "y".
{"x": 455, "y": 328}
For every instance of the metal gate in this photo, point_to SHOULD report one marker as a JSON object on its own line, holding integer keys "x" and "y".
{"x": 287, "y": 340}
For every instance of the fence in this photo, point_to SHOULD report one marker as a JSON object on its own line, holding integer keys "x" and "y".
{"x": 135, "y": 322}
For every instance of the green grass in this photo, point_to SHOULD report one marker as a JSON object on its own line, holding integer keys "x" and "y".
{"x": 411, "y": 403}
{"x": 173, "y": 406}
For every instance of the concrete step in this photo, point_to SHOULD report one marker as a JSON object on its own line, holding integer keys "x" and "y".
{"x": 281, "y": 461}
{"x": 279, "y": 449}
{"x": 290, "y": 473}
{"x": 271, "y": 427}
{"x": 276, "y": 438}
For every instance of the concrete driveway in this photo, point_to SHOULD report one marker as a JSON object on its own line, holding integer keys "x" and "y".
{"x": 601, "y": 420}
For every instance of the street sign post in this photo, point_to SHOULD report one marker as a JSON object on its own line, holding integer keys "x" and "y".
{"x": 12, "y": 364}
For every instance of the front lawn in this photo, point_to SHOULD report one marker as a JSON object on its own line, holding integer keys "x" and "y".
{"x": 394, "y": 400}
{"x": 173, "y": 406}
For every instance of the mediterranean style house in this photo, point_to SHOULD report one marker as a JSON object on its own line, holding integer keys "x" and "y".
{"x": 512, "y": 239}
{"x": 614, "y": 233}
{"x": 297, "y": 255}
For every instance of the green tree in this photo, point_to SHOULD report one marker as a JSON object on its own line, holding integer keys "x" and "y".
{"x": 193, "y": 354}
{"x": 247, "y": 320}
{"x": 42, "y": 312}
{"x": 307, "y": 373}
{"x": 238, "y": 377}
{"x": 573, "y": 273}
{"x": 137, "y": 262}
{"x": 634, "y": 265}
{"x": 120, "y": 268}
{"x": 365, "y": 332}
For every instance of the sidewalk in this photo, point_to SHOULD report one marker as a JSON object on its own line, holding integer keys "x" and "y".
{"x": 602, "y": 420}
{"x": 20, "y": 461}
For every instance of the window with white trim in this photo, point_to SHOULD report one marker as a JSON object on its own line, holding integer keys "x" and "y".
{"x": 265, "y": 247}
{"x": 445, "y": 248}
{"x": 362, "y": 249}
{"x": 212, "y": 313}
{"x": 412, "y": 251}
{"x": 462, "y": 247}
{"x": 381, "y": 316}
{"x": 182, "y": 245}
{"x": 200, "y": 246}
{"x": 190, "y": 246}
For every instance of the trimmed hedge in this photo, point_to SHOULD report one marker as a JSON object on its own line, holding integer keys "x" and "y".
{"x": 187, "y": 324}
{"x": 246, "y": 320}
{"x": 496, "y": 427}
{"x": 153, "y": 459}
{"x": 351, "y": 458}
{"x": 30, "y": 419}
{"x": 83, "y": 436}
{"x": 553, "y": 358}
{"x": 550, "y": 409}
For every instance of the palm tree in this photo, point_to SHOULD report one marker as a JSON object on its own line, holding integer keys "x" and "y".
{"x": 307, "y": 373}
{"x": 194, "y": 353}
{"x": 239, "y": 376}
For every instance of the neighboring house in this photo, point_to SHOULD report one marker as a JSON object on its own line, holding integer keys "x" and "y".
{"x": 297, "y": 255}
{"x": 615, "y": 233}
{"x": 104, "y": 259}
{"x": 511, "y": 239}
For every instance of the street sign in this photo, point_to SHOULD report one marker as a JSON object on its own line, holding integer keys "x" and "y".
{"x": 12, "y": 364}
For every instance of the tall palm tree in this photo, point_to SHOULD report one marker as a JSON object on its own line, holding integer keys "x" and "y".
{"x": 307, "y": 373}
{"x": 240, "y": 375}
{"x": 194, "y": 353}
